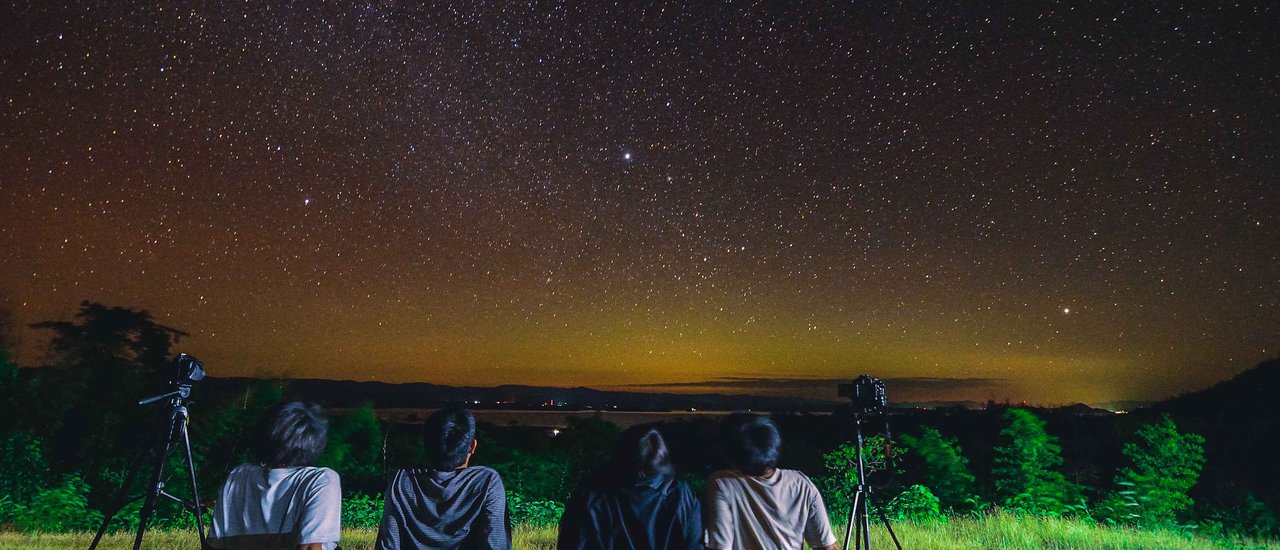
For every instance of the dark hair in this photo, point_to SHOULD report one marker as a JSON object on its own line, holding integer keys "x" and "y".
{"x": 448, "y": 438}
{"x": 291, "y": 434}
{"x": 640, "y": 454}
{"x": 751, "y": 442}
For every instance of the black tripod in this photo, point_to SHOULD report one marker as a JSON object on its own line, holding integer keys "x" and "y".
{"x": 174, "y": 430}
{"x": 858, "y": 512}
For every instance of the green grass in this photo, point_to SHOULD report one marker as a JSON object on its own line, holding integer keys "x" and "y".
{"x": 993, "y": 531}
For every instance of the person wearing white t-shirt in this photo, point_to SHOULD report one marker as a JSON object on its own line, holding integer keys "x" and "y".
{"x": 282, "y": 502}
{"x": 756, "y": 505}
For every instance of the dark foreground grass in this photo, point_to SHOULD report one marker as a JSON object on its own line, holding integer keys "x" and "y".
{"x": 992, "y": 531}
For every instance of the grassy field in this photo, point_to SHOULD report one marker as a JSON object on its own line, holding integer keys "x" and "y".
{"x": 997, "y": 531}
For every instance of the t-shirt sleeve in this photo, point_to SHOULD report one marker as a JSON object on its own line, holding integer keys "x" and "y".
{"x": 719, "y": 517}
{"x": 817, "y": 525}
{"x": 321, "y": 520}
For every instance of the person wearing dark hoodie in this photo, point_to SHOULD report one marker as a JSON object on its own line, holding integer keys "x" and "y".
{"x": 450, "y": 504}
{"x": 634, "y": 503}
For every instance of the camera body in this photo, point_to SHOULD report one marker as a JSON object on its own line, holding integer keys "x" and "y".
{"x": 187, "y": 370}
{"x": 867, "y": 395}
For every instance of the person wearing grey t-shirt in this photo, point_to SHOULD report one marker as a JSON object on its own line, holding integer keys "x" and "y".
{"x": 756, "y": 505}
{"x": 450, "y": 504}
{"x": 282, "y": 501}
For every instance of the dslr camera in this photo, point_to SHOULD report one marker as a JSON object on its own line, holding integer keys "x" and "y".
{"x": 867, "y": 394}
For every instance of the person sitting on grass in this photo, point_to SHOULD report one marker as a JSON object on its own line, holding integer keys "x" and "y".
{"x": 449, "y": 504}
{"x": 634, "y": 503}
{"x": 282, "y": 501}
{"x": 756, "y": 505}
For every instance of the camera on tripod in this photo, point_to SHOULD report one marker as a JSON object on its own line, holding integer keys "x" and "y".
{"x": 867, "y": 395}
{"x": 187, "y": 370}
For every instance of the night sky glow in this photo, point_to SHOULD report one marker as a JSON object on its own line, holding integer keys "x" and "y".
{"x": 1054, "y": 202}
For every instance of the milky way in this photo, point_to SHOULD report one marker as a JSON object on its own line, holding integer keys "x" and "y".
{"x": 1055, "y": 202}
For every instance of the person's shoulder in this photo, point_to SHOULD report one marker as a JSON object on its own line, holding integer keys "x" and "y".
{"x": 315, "y": 476}
{"x": 328, "y": 475}
{"x": 683, "y": 491}
{"x": 247, "y": 472}
{"x": 482, "y": 474}
{"x": 797, "y": 478}
{"x": 724, "y": 478}
{"x": 482, "y": 471}
{"x": 794, "y": 475}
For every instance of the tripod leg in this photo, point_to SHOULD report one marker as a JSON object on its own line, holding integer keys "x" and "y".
{"x": 848, "y": 528}
{"x": 864, "y": 523}
{"x": 853, "y": 513}
{"x": 195, "y": 487}
{"x": 885, "y": 520}
{"x": 118, "y": 501}
{"x": 154, "y": 488}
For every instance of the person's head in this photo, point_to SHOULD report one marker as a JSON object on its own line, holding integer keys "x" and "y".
{"x": 450, "y": 438}
{"x": 641, "y": 454}
{"x": 290, "y": 434}
{"x": 751, "y": 442}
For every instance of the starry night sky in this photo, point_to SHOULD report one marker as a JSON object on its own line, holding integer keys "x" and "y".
{"x": 1054, "y": 202}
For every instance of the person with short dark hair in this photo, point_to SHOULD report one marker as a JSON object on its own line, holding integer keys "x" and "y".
{"x": 448, "y": 504}
{"x": 756, "y": 505}
{"x": 633, "y": 503}
{"x": 281, "y": 501}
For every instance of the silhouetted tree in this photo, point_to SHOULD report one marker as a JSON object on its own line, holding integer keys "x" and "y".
{"x": 102, "y": 353}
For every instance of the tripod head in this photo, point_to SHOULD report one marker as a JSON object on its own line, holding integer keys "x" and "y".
{"x": 187, "y": 370}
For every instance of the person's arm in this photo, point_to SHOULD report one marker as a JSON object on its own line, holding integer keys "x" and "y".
{"x": 493, "y": 527}
{"x": 321, "y": 521}
{"x": 692, "y": 518}
{"x": 719, "y": 517}
{"x": 817, "y": 528}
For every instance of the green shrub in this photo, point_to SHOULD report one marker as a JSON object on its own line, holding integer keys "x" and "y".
{"x": 1026, "y": 469}
{"x": 944, "y": 469}
{"x": 533, "y": 512}
{"x": 361, "y": 511}
{"x": 64, "y": 507}
{"x": 23, "y": 470}
{"x": 1164, "y": 465}
{"x": 915, "y": 504}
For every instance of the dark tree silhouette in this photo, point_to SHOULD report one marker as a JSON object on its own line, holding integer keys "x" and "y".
{"x": 108, "y": 357}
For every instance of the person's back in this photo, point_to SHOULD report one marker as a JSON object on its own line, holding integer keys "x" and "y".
{"x": 282, "y": 502}
{"x": 756, "y": 505}
{"x": 426, "y": 508}
{"x": 782, "y": 510}
{"x": 635, "y": 504}
{"x": 449, "y": 504}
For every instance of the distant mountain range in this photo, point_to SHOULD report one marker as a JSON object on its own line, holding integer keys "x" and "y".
{"x": 347, "y": 393}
